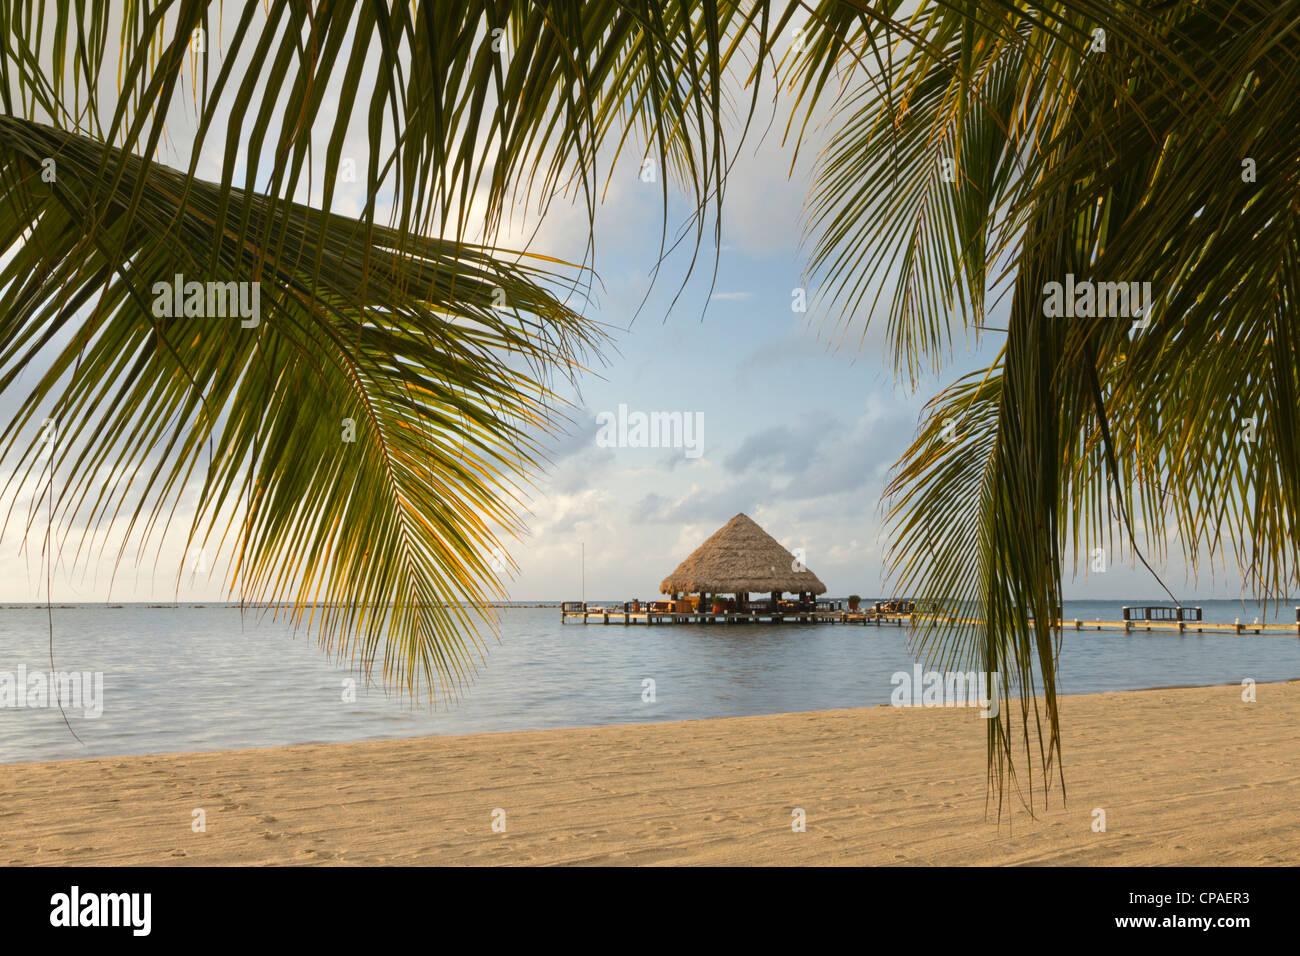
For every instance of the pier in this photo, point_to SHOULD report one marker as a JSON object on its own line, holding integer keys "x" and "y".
{"x": 828, "y": 612}
{"x": 634, "y": 612}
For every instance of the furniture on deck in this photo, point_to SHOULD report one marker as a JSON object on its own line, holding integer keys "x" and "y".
{"x": 1161, "y": 612}
{"x": 894, "y": 607}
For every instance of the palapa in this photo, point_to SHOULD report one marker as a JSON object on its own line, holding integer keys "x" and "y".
{"x": 741, "y": 557}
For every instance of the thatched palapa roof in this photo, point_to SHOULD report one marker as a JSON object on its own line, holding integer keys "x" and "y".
{"x": 740, "y": 557}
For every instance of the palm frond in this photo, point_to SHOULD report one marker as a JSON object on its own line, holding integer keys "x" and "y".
{"x": 1087, "y": 433}
{"x": 376, "y": 537}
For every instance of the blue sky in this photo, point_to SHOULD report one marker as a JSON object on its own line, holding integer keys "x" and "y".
{"x": 799, "y": 433}
{"x": 800, "y": 430}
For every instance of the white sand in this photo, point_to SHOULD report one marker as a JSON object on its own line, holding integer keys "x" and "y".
{"x": 1189, "y": 776}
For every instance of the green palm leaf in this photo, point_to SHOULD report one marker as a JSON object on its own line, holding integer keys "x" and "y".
{"x": 375, "y": 540}
{"x": 1125, "y": 166}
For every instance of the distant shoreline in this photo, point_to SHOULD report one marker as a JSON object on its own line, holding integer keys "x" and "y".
{"x": 155, "y": 605}
{"x": 1285, "y": 603}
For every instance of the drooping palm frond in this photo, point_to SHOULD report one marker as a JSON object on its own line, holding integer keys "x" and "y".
{"x": 1123, "y": 165}
{"x": 366, "y": 444}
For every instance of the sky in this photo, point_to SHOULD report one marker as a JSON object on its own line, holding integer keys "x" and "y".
{"x": 799, "y": 430}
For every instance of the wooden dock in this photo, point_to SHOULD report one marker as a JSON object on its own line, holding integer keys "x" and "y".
{"x": 574, "y": 612}
{"x": 1182, "y": 627}
{"x": 616, "y": 615}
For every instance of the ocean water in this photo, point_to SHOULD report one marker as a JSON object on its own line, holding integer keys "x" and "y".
{"x": 210, "y": 678}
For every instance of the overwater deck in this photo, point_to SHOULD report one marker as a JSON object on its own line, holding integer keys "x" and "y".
{"x": 617, "y": 615}
{"x": 577, "y": 612}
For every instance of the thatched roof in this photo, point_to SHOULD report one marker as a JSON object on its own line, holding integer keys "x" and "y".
{"x": 740, "y": 557}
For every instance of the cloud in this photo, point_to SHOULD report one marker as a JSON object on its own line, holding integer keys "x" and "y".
{"x": 714, "y": 505}
{"x": 674, "y": 458}
{"x": 780, "y": 449}
{"x": 827, "y": 458}
{"x": 650, "y": 508}
{"x": 577, "y": 436}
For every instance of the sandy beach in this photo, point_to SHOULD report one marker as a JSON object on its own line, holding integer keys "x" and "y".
{"x": 1185, "y": 776}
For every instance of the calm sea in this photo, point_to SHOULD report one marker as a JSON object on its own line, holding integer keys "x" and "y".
{"x": 209, "y": 678}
